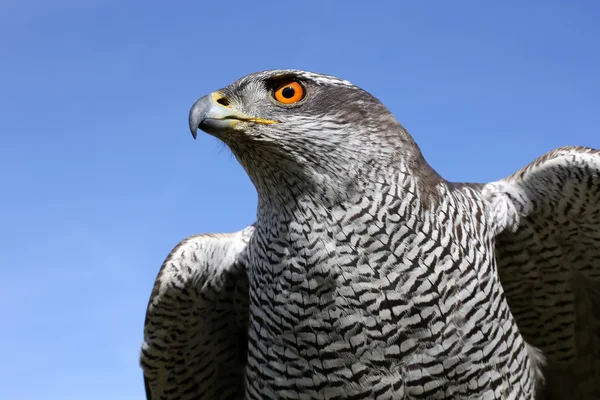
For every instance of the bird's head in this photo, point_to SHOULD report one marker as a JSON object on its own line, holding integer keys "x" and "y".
{"x": 298, "y": 128}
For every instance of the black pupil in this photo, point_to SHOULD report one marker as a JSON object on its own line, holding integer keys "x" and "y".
{"x": 288, "y": 92}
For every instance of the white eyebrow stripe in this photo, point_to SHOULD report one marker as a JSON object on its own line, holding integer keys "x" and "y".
{"x": 320, "y": 78}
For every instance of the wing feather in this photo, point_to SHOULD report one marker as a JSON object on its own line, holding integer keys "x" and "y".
{"x": 195, "y": 332}
{"x": 548, "y": 253}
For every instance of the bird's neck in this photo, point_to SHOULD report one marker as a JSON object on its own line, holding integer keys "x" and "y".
{"x": 285, "y": 194}
{"x": 307, "y": 228}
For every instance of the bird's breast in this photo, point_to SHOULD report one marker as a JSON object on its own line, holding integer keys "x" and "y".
{"x": 374, "y": 291}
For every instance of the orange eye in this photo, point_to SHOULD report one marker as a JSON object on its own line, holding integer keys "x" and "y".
{"x": 289, "y": 92}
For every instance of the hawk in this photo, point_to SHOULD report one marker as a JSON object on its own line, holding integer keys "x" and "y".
{"x": 366, "y": 274}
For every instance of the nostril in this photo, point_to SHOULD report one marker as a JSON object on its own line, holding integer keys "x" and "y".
{"x": 224, "y": 101}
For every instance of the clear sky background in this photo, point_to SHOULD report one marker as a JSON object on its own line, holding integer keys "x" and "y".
{"x": 101, "y": 178}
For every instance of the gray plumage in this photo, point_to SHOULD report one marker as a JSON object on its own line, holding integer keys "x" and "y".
{"x": 369, "y": 276}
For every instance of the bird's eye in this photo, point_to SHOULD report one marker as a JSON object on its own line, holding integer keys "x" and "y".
{"x": 289, "y": 92}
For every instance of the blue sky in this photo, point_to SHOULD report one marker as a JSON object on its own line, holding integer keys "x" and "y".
{"x": 101, "y": 178}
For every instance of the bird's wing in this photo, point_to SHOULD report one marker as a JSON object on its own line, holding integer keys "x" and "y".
{"x": 195, "y": 333}
{"x": 548, "y": 255}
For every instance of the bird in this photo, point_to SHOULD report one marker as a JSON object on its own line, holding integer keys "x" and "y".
{"x": 366, "y": 274}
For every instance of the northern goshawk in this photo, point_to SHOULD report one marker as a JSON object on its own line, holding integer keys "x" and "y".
{"x": 367, "y": 275}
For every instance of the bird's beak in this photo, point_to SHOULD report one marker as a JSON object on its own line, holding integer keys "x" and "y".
{"x": 215, "y": 114}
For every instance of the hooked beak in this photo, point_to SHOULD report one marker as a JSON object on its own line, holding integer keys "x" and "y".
{"x": 214, "y": 114}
